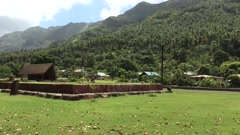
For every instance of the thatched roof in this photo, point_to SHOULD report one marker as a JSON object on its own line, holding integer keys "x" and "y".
{"x": 35, "y": 69}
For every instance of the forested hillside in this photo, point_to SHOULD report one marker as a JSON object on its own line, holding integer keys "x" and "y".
{"x": 201, "y": 36}
{"x": 38, "y": 37}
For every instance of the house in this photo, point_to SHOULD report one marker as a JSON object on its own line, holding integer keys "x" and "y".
{"x": 147, "y": 73}
{"x": 190, "y": 73}
{"x": 80, "y": 73}
{"x": 200, "y": 77}
{"x": 102, "y": 76}
{"x": 39, "y": 72}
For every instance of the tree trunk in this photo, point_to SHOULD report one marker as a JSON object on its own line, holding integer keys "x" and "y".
{"x": 14, "y": 87}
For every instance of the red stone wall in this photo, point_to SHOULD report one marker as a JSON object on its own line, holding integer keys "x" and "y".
{"x": 79, "y": 89}
{"x": 5, "y": 85}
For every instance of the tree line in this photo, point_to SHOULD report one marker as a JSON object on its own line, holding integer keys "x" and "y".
{"x": 203, "y": 37}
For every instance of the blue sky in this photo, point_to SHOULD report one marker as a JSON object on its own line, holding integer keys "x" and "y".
{"x": 78, "y": 13}
{"x": 18, "y": 15}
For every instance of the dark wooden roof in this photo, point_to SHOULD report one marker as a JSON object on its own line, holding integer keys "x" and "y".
{"x": 35, "y": 69}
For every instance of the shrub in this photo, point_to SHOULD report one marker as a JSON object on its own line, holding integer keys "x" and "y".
{"x": 83, "y": 79}
{"x": 72, "y": 79}
{"x": 122, "y": 79}
{"x": 157, "y": 79}
{"x": 5, "y": 71}
{"x": 224, "y": 84}
{"x": 166, "y": 81}
{"x": 234, "y": 80}
{"x": 145, "y": 78}
{"x": 207, "y": 82}
{"x": 184, "y": 82}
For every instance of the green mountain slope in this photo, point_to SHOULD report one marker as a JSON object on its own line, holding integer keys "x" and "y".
{"x": 135, "y": 15}
{"x": 142, "y": 11}
{"x": 195, "y": 35}
{"x": 37, "y": 37}
{"x": 64, "y": 32}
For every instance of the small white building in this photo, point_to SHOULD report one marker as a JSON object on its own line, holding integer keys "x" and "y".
{"x": 200, "y": 77}
{"x": 101, "y": 75}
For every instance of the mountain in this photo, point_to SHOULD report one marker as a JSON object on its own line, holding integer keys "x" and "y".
{"x": 134, "y": 15}
{"x": 66, "y": 32}
{"x": 141, "y": 11}
{"x": 38, "y": 37}
{"x": 192, "y": 35}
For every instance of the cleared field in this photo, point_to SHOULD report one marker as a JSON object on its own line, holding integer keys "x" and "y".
{"x": 182, "y": 112}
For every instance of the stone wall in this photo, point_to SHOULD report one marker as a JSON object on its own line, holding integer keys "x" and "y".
{"x": 80, "y": 89}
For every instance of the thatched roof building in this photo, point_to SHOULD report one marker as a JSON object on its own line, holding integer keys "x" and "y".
{"x": 39, "y": 72}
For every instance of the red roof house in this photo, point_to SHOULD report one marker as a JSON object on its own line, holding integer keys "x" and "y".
{"x": 39, "y": 72}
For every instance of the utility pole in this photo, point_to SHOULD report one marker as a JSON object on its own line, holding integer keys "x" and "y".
{"x": 162, "y": 67}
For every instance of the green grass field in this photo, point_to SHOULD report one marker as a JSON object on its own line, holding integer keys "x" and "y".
{"x": 182, "y": 112}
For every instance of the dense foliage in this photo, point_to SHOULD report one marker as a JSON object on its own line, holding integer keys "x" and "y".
{"x": 197, "y": 36}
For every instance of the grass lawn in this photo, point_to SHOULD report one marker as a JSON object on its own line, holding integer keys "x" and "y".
{"x": 182, "y": 112}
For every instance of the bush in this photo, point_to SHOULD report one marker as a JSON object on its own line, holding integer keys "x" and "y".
{"x": 157, "y": 79}
{"x": 212, "y": 83}
{"x": 207, "y": 82}
{"x": 166, "y": 81}
{"x": 234, "y": 80}
{"x": 184, "y": 82}
{"x": 122, "y": 79}
{"x": 224, "y": 84}
{"x": 83, "y": 79}
{"x": 145, "y": 78}
{"x": 5, "y": 71}
{"x": 72, "y": 79}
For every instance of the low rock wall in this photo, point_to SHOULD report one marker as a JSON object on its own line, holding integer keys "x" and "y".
{"x": 75, "y": 97}
{"x": 81, "y": 89}
{"x": 202, "y": 88}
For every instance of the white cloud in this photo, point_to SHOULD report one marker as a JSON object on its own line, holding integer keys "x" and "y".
{"x": 18, "y": 15}
{"x": 115, "y": 6}
{"x": 8, "y": 25}
{"x": 34, "y": 11}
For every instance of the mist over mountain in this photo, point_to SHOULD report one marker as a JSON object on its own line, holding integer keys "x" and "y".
{"x": 9, "y": 25}
{"x": 38, "y": 37}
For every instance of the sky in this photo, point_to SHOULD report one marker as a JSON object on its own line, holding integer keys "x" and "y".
{"x": 18, "y": 15}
